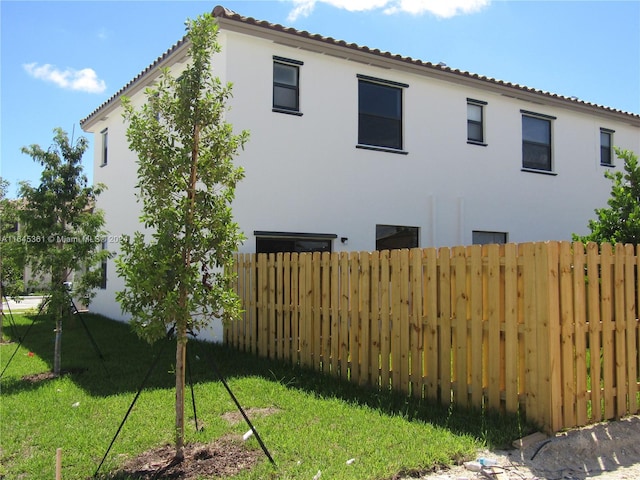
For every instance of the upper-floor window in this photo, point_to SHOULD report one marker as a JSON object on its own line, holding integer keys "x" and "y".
{"x": 606, "y": 147}
{"x": 536, "y": 141}
{"x": 379, "y": 113}
{"x": 286, "y": 85}
{"x": 475, "y": 121}
{"x": 104, "y": 134}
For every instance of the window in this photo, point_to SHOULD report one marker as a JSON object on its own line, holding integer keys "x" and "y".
{"x": 475, "y": 121}
{"x": 275, "y": 242}
{"x": 105, "y": 144}
{"x": 606, "y": 147}
{"x": 286, "y": 85}
{"x": 486, "y": 238}
{"x": 389, "y": 237}
{"x": 536, "y": 142}
{"x": 379, "y": 113}
{"x": 103, "y": 268}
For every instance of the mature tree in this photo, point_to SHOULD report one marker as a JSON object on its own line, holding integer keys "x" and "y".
{"x": 174, "y": 271}
{"x": 63, "y": 231}
{"x": 11, "y": 250}
{"x": 620, "y": 221}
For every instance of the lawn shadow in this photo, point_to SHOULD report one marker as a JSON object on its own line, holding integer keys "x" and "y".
{"x": 105, "y": 357}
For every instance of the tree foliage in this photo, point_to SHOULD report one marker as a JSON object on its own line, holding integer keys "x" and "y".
{"x": 620, "y": 221}
{"x": 12, "y": 249}
{"x": 174, "y": 271}
{"x": 62, "y": 229}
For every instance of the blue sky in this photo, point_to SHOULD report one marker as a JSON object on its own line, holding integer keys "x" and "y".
{"x": 61, "y": 60}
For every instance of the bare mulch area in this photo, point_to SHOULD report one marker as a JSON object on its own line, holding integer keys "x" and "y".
{"x": 223, "y": 458}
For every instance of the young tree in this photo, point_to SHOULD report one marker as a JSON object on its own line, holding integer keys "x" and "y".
{"x": 620, "y": 222}
{"x": 174, "y": 273}
{"x": 62, "y": 230}
{"x": 11, "y": 250}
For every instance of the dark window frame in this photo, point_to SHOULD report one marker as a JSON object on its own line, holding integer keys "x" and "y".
{"x": 281, "y": 108}
{"x": 402, "y": 232}
{"x": 478, "y": 233}
{"x": 297, "y": 242}
{"x": 104, "y": 138}
{"x": 528, "y": 144}
{"x": 606, "y": 151}
{"x": 103, "y": 267}
{"x": 379, "y": 120}
{"x": 474, "y": 123}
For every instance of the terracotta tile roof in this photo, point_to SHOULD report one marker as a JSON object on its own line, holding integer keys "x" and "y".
{"x": 440, "y": 68}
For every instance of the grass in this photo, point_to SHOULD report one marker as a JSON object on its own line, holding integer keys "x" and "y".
{"x": 320, "y": 422}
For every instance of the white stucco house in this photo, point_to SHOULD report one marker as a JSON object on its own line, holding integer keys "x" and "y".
{"x": 356, "y": 149}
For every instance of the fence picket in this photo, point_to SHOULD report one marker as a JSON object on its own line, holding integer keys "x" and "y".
{"x": 567, "y": 336}
{"x": 595, "y": 329}
{"x": 581, "y": 332}
{"x": 608, "y": 368}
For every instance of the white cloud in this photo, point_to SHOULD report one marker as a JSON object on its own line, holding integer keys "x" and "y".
{"x": 439, "y": 8}
{"x": 85, "y": 80}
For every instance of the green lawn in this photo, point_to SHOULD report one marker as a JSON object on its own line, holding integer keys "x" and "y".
{"x": 320, "y": 422}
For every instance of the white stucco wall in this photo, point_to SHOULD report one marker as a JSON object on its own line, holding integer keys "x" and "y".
{"x": 305, "y": 174}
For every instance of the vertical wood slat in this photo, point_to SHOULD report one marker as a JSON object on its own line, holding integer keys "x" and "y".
{"x": 606, "y": 302}
{"x": 374, "y": 343}
{"x": 344, "y": 315}
{"x": 581, "y": 332}
{"x": 593, "y": 316}
{"x": 403, "y": 275}
{"x": 631, "y": 320}
{"x": 512, "y": 355}
{"x": 533, "y": 401}
{"x": 287, "y": 305}
{"x": 295, "y": 307}
{"x": 430, "y": 325}
{"x": 461, "y": 296}
{"x": 553, "y": 368}
{"x": 415, "y": 321}
{"x": 496, "y": 360}
{"x": 279, "y": 306}
{"x": 307, "y": 321}
{"x": 263, "y": 319}
{"x": 365, "y": 320}
{"x": 567, "y": 335}
{"x": 271, "y": 300}
{"x": 385, "y": 322}
{"x": 316, "y": 298}
{"x": 445, "y": 368}
{"x": 475, "y": 345}
{"x": 335, "y": 315}
{"x": 354, "y": 309}
{"x": 620, "y": 331}
{"x": 325, "y": 352}
{"x": 395, "y": 362}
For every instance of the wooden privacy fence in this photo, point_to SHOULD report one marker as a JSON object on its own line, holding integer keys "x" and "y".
{"x": 548, "y": 328}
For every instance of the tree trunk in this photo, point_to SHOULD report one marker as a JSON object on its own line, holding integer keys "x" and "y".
{"x": 181, "y": 350}
{"x": 57, "y": 348}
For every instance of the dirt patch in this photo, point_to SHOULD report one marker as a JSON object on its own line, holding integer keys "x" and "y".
{"x": 236, "y": 417}
{"x": 43, "y": 376}
{"x": 606, "y": 451}
{"x": 223, "y": 458}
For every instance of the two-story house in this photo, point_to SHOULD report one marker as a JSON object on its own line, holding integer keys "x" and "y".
{"x": 356, "y": 149}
